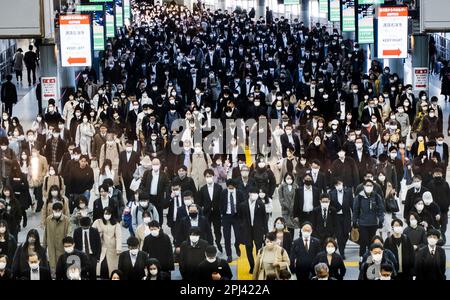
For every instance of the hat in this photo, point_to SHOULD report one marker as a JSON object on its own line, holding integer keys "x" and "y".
{"x": 146, "y": 161}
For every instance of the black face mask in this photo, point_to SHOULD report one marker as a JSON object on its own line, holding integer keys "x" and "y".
{"x": 193, "y": 215}
{"x": 308, "y": 182}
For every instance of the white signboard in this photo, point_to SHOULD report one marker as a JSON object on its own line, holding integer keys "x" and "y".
{"x": 420, "y": 79}
{"x": 75, "y": 33}
{"x": 49, "y": 88}
{"x": 392, "y": 35}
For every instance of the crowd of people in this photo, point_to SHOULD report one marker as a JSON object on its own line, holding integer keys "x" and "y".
{"x": 351, "y": 153}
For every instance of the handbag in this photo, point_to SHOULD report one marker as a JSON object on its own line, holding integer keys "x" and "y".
{"x": 134, "y": 185}
{"x": 392, "y": 205}
{"x": 354, "y": 235}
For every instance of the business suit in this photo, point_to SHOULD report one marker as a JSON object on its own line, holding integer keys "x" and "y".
{"x": 127, "y": 167}
{"x": 302, "y": 258}
{"x": 67, "y": 259}
{"x": 230, "y": 219}
{"x": 160, "y": 247}
{"x": 336, "y": 267}
{"x": 324, "y": 228}
{"x": 344, "y": 218}
{"x": 284, "y": 139}
{"x": 95, "y": 246}
{"x": 184, "y": 225}
{"x": 430, "y": 267}
{"x": 320, "y": 182}
{"x": 252, "y": 233}
{"x": 190, "y": 257}
{"x": 98, "y": 209}
{"x": 299, "y": 201}
{"x": 411, "y": 195}
{"x": 211, "y": 208}
{"x": 44, "y": 274}
{"x": 130, "y": 271}
{"x": 161, "y": 191}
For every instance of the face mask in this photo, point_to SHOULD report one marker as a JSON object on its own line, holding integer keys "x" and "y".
{"x": 134, "y": 252}
{"x": 31, "y": 240}
{"x": 156, "y": 167}
{"x": 398, "y": 229}
{"x": 2, "y": 229}
{"x": 57, "y": 214}
{"x": 68, "y": 249}
{"x": 154, "y": 233}
{"x": 153, "y": 272}
{"x": 34, "y": 266}
{"x": 359, "y": 146}
{"x": 385, "y": 277}
{"x": 417, "y": 184}
{"x": 209, "y": 180}
{"x": 381, "y": 177}
{"x": 54, "y": 193}
{"x": 413, "y": 223}
{"x": 432, "y": 241}
{"x": 368, "y": 189}
{"x": 289, "y": 181}
{"x": 147, "y": 220}
{"x": 306, "y": 234}
{"x": 143, "y": 203}
{"x": 253, "y": 197}
{"x": 2, "y": 265}
{"x": 377, "y": 258}
{"x": 107, "y": 217}
{"x": 187, "y": 202}
{"x": 194, "y": 238}
{"x": 261, "y": 164}
{"x": 331, "y": 250}
{"x": 182, "y": 175}
{"x": 324, "y": 205}
{"x": 419, "y": 207}
{"x": 279, "y": 226}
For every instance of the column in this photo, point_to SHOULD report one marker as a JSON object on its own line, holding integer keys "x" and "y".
{"x": 304, "y": 12}
{"x": 260, "y": 8}
{"x": 420, "y": 56}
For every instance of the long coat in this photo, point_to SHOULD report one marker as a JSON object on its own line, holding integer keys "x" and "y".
{"x": 281, "y": 257}
{"x": 287, "y": 199}
{"x": 111, "y": 236}
{"x": 37, "y": 170}
{"x": 346, "y": 207}
{"x": 198, "y": 166}
{"x": 47, "y": 209}
{"x": 259, "y": 222}
{"x": 54, "y": 233}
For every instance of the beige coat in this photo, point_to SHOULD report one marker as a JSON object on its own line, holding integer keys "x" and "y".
{"x": 37, "y": 170}
{"x": 113, "y": 155}
{"x": 111, "y": 236}
{"x": 52, "y": 180}
{"x": 47, "y": 210}
{"x": 198, "y": 166}
{"x": 54, "y": 233}
{"x": 281, "y": 257}
{"x": 141, "y": 232}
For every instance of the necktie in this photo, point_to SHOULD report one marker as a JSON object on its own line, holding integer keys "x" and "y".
{"x": 86, "y": 243}
{"x": 324, "y": 217}
{"x": 432, "y": 252}
{"x": 306, "y": 244}
{"x": 178, "y": 201}
{"x": 233, "y": 208}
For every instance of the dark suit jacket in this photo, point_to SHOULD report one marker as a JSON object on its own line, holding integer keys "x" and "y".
{"x": 184, "y": 225}
{"x": 322, "y": 229}
{"x": 97, "y": 209}
{"x": 259, "y": 227}
{"x": 337, "y": 267}
{"x": 127, "y": 168}
{"x": 299, "y": 200}
{"x": 321, "y": 182}
{"x": 430, "y": 267}
{"x": 95, "y": 243}
{"x": 210, "y": 207}
{"x": 301, "y": 260}
{"x": 224, "y": 200}
{"x": 181, "y": 212}
{"x": 285, "y": 143}
{"x": 346, "y": 207}
{"x": 44, "y": 274}
{"x": 131, "y": 272}
{"x": 162, "y": 190}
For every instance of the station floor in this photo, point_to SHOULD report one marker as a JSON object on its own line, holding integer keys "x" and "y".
{"x": 26, "y": 110}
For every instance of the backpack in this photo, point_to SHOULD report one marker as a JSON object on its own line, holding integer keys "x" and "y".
{"x": 126, "y": 216}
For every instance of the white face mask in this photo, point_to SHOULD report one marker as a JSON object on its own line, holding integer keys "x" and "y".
{"x": 2, "y": 265}
{"x": 194, "y": 238}
{"x": 134, "y": 252}
{"x": 339, "y": 187}
{"x": 107, "y": 217}
{"x": 154, "y": 233}
{"x": 324, "y": 205}
{"x": 209, "y": 180}
{"x": 187, "y": 202}
{"x": 261, "y": 164}
{"x": 153, "y": 272}
{"x": 279, "y": 226}
{"x": 54, "y": 193}
{"x": 377, "y": 258}
{"x": 331, "y": 250}
{"x": 385, "y": 277}
{"x": 398, "y": 229}
{"x": 419, "y": 207}
{"x": 289, "y": 181}
{"x": 129, "y": 149}
{"x": 368, "y": 189}
{"x": 34, "y": 266}
{"x": 57, "y": 214}
{"x": 156, "y": 167}
{"x": 413, "y": 223}
{"x": 253, "y": 197}
{"x": 68, "y": 249}
{"x": 306, "y": 234}
{"x": 143, "y": 203}
{"x": 432, "y": 241}
{"x": 146, "y": 220}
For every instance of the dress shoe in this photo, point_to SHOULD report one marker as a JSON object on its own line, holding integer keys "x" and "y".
{"x": 229, "y": 259}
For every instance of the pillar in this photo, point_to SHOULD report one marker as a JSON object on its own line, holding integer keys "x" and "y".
{"x": 304, "y": 12}
{"x": 260, "y": 9}
{"x": 420, "y": 56}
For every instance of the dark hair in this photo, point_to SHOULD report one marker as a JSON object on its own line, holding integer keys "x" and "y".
{"x": 109, "y": 211}
{"x": 150, "y": 262}
{"x": 3, "y": 223}
{"x": 37, "y": 244}
{"x": 330, "y": 240}
{"x": 68, "y": 240}
{"x": 103, "y": 187}
{"x": 208, "y": 172}
{"x": 133, "y": 241}
{"x": 195, "y": 231}
{"x": 57, "y": 206}
{"x": 154, "y": 223}
{"x": 377, "y": 237}
{"x": 376, "y": 245}
{"x": 396, "y": 221}
{"x": 106, "y": 162}
{"x": 271, "y": 236}
{"x": 118, "y": 272}
{"x": 387, "y": 268}
{"x": 285, "y": 274}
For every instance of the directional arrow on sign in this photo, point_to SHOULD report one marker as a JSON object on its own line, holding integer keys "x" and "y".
{"x": 76, "y": 60}
{"x": 395, "y": 52}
